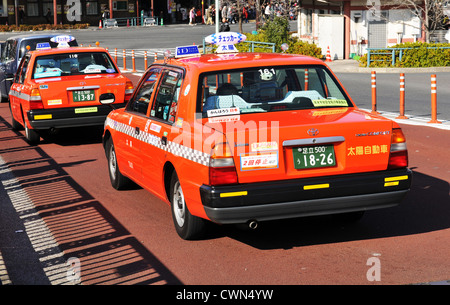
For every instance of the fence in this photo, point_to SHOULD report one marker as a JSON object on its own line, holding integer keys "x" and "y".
{"x": 396, "y": 54}
{"x": 131, "y": 21}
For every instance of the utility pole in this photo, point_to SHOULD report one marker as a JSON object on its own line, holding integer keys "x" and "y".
{"x": 55, "y": 15}
{"x": 16, "y": 5}
{"x": 217, "y": 15}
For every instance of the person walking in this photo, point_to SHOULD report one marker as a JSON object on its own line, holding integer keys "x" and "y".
{"x": 208, "y": 16}
{"x": 245, "y": 13}
{"x": 48, "y": 16}
{"x": 21, "y": 15}
{"x": 224, "y": 27}
{"x": 192, "y": 16}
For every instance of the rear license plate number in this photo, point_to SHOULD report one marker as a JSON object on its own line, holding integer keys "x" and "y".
{"x": 83, "y": 95}
{"x": 314, "y": 156}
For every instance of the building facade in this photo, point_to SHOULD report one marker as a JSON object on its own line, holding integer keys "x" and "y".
{"x": 90, "y": 11}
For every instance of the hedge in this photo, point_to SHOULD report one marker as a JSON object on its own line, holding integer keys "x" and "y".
{"x": 41, "y": 27}
{"x": 418, "y": 55}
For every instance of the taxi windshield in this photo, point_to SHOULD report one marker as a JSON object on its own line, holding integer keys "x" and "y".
{"x": 73, "y": 64}
{"x": 268, "y": 89}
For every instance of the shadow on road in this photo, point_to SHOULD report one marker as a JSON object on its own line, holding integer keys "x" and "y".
{"x": 40, "y": 189}
{"x": 424, "y": 209}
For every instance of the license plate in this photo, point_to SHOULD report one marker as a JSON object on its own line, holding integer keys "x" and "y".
{"x": 314, "y": 156}
{"x": 83, "y": 95}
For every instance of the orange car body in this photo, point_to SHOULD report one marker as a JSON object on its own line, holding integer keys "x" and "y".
{"x": 61, "y": 87}
{"x": 258, "y": 156}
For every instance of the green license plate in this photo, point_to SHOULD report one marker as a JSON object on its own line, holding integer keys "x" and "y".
{"x": 83, "y": 95}
{"x": 314, "y": 156}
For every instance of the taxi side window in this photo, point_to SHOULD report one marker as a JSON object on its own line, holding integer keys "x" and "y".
{"x": 166, "y": 101}
{"x": 21, "y": 72}
{"x": 144, "y": 93}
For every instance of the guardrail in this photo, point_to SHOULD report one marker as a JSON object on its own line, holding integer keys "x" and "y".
{"x": 131, "y": 21}
{"x": 395, "y": 53}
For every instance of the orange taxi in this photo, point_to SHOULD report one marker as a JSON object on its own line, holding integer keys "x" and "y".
{"x": 62, "y": 87}
{"x": 247, "y": 137}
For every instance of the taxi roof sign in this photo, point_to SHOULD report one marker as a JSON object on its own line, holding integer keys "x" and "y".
{"x": 186, "y": 51}
{"x": 62, "y": 40}
{"x": 225, "y": 41}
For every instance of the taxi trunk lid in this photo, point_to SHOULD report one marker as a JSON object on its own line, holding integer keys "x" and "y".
{"x": 308, "y": 143}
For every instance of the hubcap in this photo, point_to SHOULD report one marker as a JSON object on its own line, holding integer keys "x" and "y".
{"x": 179, "y": 206}
{"x": 112, "y": 162}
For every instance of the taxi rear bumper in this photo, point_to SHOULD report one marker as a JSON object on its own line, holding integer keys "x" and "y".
{"x": 70, "y": 116}
{"x": 305, "y": 197}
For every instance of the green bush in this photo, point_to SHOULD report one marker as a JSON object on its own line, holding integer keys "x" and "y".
{"x": 418, "y": 55}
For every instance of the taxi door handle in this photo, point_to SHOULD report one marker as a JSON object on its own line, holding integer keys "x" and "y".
{"x": 164, "y": 140}
{"x": 136, "y": 130}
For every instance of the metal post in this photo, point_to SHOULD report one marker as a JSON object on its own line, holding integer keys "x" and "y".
{"x": 374, "y": 92}
{"x": 434, "y": 100}
{"x": 402, "y": 97}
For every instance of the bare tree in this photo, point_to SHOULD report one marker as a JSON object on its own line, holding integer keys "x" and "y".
{"x": 429, "y": 12}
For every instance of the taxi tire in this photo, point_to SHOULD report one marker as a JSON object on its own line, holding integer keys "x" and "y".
{"x": 31, "y": 135}
{"x": 187, "y": 226}
{"x": 15, "y": 125}
{"x": 118, "y": 181}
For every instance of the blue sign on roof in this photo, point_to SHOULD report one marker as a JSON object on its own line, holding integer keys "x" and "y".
{"x": 186, "y": 51}
{"x": 42, "y": 45}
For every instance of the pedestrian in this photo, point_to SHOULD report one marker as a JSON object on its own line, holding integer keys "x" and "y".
{"x": 208, "y": 15}
{"x": 224, "y": 12}
{"x": 245, "y": 13}
{"x": 105, "y": 15}
{"x": 192, "y": 16}
{"x": 48, "y": 16}
{"x": 268, "y": 11}
{"x": 21, "y": 15}
{"x": 224, "y": 27}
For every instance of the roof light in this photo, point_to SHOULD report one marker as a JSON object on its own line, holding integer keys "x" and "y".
{"x": 42, "y": 46}
{"x": 186, "y": 51}
{"x": 225, "y": 41}
{"x": 62, "y": 40}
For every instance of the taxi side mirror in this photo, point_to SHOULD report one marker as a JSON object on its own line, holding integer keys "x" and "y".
{"x": 107, "y": 98}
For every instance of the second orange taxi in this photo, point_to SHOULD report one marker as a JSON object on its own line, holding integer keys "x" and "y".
{"x": 62, "y": 87}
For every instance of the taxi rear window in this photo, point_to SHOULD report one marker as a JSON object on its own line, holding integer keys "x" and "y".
{"x": 268, "y": 89}
{"x": 73, "y": 64}
{"x": 33, "y": 42}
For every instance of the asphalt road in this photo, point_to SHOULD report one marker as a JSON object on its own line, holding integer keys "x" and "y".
{"x": 417, "y": 92}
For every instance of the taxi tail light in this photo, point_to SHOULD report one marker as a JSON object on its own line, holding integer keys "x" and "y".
{"x": 221, "y": 166}
{"x": 128, "y": 90}
{"x": 398, "y": 157}
{"x": 36, "y": 99}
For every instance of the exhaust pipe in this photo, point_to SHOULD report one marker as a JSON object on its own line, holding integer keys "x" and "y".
{"x": 252, "y": 224}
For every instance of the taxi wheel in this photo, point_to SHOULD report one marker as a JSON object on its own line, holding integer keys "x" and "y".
{"x": 118, "y": 181}
{"x": 31, "y": 135}
{"x": 186, "y": 225}
{"x": 14, "y": 124}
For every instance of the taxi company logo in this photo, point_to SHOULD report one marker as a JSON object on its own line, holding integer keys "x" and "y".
{"x": 313, "y": 132}
{"x": 373, "y": 133}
